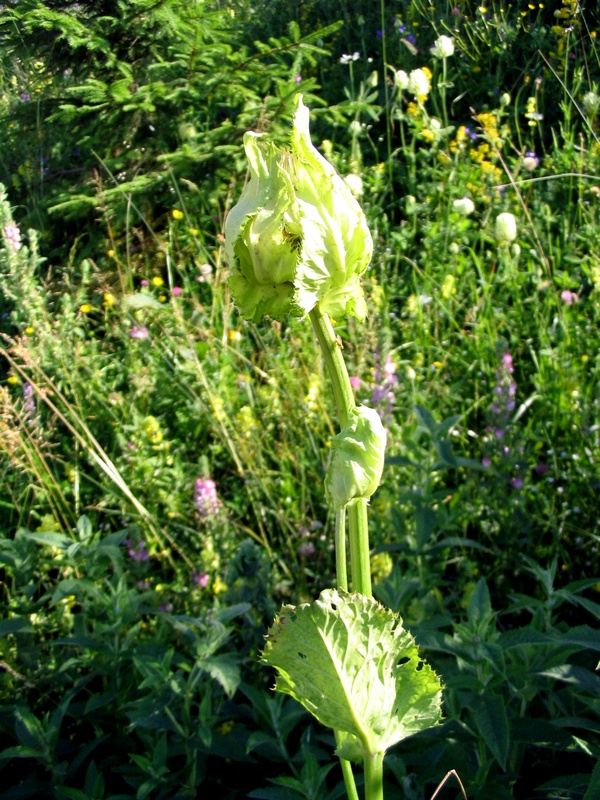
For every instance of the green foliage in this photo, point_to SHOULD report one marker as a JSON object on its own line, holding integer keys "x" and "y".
{"x": 132, "y": 613}
{"x": 350, "y": 662}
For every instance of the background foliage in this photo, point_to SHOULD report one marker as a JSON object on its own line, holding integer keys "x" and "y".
{"x": 162, "y": 459}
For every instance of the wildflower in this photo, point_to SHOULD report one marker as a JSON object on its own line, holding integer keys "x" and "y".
{"x": 531, "y": 161}
{"x": 109, "y": 300}
{"x": 111, "y": 253}
{"x": 157, "y": 281}
{"x": 419, "y": 84}
{"x": 205, "y": 497}
{"x": 306, "y": 549}
{"x": 355, "y": 184}
{"x": 139, "y": 332}
{"x": 29, "y": 330}
{"x": 464, "y": 206}
{"x": 205, "y": 272}
{"x": 355, "y": 382}
{"x": 516, "y": 483}
{"x": 85, "y": 308}
{"x": 194, "y": 231}
{"x": 200, "y": 579}
{"x": 234, "y": 336}
{"x": 443, "y": 47}
{"x": 177, "y": 214}
{"x": 152, "y": 430}
{"x": 345, "y": 59}
{"x": 591, "y": 103}
{"x": 29, "y": 402}
{"x": 145, "y": 282}
{"x": 448, "y": 287}
{"x": 401, "y": 80}
{"x": 279, "y": 236}
{"x": 219, "y": 586}
{"x": 569, "y": 297}
{"x": 25, "y": 97}
{"x": 13, "y": 236}
{"x": 506, "y": 227}
{"x": 176, "y": 291}
{"x": 13, "y": 379}
{"x": 137, "y": 552}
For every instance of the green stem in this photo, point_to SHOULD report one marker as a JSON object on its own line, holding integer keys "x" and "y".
{"x": 374, "y": 777}
{"x": 341, "y": 571}
{"x": 336, "y": 366}
{"x": 360, "y": 560}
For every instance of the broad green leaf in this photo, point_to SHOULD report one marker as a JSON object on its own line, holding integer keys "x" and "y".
{"x": 349, "y": 661}
{"x": 593, "y": 789}
{"x": 492, "y": 723}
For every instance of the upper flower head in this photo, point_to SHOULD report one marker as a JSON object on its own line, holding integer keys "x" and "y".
{"x": 297, "y": 236}
{"x": 443, "y": 47}
{"x": 419, "y": 83}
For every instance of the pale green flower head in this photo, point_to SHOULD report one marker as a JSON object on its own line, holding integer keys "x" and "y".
{"x": 356, "y": 459}
{"x": 506, "y": 227}
{"x": 297, "y": 237}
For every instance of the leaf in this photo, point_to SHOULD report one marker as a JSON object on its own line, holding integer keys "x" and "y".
{"x": 223, "y": 669}
{"x": 492, "y": 723}
{"x": 480, "y": 606}
{"x": 425, "y": 519}
{"x": 349, "y": 661}
{"x": 425, "y": 419}
{"x": 15, "y": 625}
{"x": 141, "y": 300}
{"x": 577, "y": 676}
{"x": 593, "y": 789}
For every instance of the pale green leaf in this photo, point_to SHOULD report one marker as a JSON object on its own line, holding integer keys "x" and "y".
{"x": 349, "y": 661}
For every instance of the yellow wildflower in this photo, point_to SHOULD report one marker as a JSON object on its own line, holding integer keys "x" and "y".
{"x": 219, "y": 586}
{"x": 12, "y": 379}
{"x": 109, "y": 300}
{"x": 157, "y": 281}
{"x": 177, "y": 214}
{"x": 29, "y": 330}
{"x": 85, "y": 308}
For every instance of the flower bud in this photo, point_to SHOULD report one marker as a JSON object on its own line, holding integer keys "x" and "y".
{"x": 356, "y": 459}
{"x": 297, "y": 238}
{"x": 506, "y": 227}
{"x": 463, "y": 206}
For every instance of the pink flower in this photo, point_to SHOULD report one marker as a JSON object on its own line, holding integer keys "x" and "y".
{"x": 200, "y": 579}
{"x": 176, "y": 291}
{"x": 355, "y": 382}
{"x": 145, "y": 282}
{"x": 568, "y": 297}
{"x": 139, "y": 332}
{"x": 205, "y": 497}
{"x": 13, "y": 236}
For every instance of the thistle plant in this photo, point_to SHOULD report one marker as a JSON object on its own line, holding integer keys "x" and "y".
{"x": 297, "y": 243}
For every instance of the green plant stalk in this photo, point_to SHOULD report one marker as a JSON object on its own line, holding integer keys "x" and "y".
{"x": 358, "y": 523}
{"x": 360, "y": 564}
{"x": 374, "y": 777}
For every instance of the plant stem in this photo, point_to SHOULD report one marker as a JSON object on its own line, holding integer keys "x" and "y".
{"x": 374, "y": 777}
{"x": 341, "y": 571}
{"x": 331, "y": 348}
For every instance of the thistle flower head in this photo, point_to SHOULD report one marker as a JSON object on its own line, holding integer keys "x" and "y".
{"x": 297, "y": 237}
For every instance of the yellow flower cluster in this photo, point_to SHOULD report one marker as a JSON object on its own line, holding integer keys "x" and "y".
{"x": 490, "y": 126}
{"x": 460, "y": 140}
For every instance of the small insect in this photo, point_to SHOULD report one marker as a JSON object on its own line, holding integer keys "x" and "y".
{"x": 293, "y": 239}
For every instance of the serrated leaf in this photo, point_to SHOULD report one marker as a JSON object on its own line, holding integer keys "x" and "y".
{"x": 224, "y": 670}
{"x": 349, "y": 661}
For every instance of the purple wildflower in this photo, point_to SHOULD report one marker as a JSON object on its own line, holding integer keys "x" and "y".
{"x": 205, "y": 497}
{"x": 200, "y": 579}
{"x": 137, "y": 552}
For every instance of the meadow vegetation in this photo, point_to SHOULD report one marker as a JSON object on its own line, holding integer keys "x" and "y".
{"x": 162, "y": 459}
